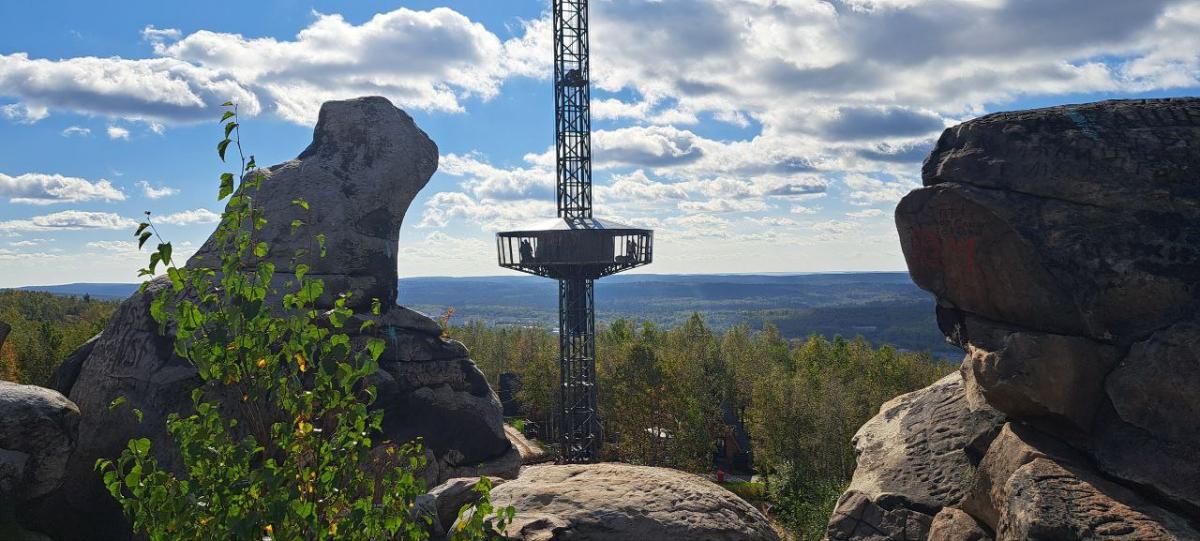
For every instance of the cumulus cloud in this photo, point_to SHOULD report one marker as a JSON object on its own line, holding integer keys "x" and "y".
{"x": 865, "y": 213}
{"x": 113, "y": 246}
{"x": 157, "y": 89}
{"x": 488, "y": 182}
{"x": 117, "y": 132}
{"x": 48, "y": 189}
{"x": 24, "y": 113}
{"x": 156, "y": 192}
{"x": 866, "y": 190}
{"x": 69, "y": 220}
{"x": 190, "y": 217}
{"x": 446, "y": 207}
{"x": 420, "y": 59}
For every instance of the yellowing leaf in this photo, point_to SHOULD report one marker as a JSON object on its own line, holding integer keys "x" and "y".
{"x": 301, "y": 361}
{"x": 261, "y": 363}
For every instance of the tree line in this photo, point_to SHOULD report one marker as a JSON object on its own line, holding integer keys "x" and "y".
{"x": 44, "y": 329}
{"x": 662, "y": 392}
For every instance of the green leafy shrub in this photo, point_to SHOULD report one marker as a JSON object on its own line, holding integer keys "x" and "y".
{"x": 302, "y": 463}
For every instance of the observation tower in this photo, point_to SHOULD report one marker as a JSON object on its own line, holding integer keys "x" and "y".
{"x": 576, "y": 248}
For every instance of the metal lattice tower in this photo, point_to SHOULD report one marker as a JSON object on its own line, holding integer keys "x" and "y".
{"x": 576, "y": 248}
{"x": 572, "y": 109}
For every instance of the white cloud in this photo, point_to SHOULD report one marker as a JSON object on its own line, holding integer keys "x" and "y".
{"x": 419, "y": 59}
{"x": 69, "y": 220}
{"x": 117, "y": 132}
{"x": 865, "y": 213}
{"x": 440, "y": 246}
{"x": 772, "y": 221}
{"x": 724, "y": 205}
{"x": 114, "y": 246}
{"x": 159, "y": 35}
{"x": 76, "y": 131}
{"x": 866, "y": 190}
{"x": 14, "y": 255}
{"x": 24, "y": 113}
{"x": 800, "y": 209}
{"x": 835, "y": 230}
{"x": 158, "y": 89}
{"x": 153, "y": 192}
{"x": 47, "y": 189}
{"x": 488, "y": 182}
{"x": 189, "y": 217}
{"x": 446, "y": 207}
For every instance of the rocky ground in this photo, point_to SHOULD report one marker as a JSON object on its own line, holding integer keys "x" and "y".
{"x": 1063, "y": 246}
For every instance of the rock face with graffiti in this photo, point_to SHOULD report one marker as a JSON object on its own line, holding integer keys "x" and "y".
{"x": 1063, "y": 246}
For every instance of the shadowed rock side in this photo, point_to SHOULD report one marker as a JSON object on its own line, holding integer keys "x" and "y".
{"x": 367, "y": 161}
{"x": 610, "y": 501}
{"x": 1063, "y": 246}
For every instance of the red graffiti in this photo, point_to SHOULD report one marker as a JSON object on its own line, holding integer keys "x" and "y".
{"x": 930, "y": 248}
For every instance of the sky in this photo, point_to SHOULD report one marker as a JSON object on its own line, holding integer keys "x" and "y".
{"x": 752, "y": 135}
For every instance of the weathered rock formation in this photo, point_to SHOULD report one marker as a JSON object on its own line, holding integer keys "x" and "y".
{"x": 1063, "y": 246}
{"x": 37, "y": 435}
{"x": 367, "y": 161}
{"x": 601, "y": 502}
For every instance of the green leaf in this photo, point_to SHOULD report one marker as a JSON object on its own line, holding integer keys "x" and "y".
{"x": 142, "y": 239}
{"x": 300, "y": 202}
{"x": 375, "y": 346}
{"x": 155, "y": 258}
{"x": 176, "y": 277}
{"x": 116, "y": 403}
{"x": 227, "y": 115}
{"x": 260, "y": 249}
{"x": 226, "y": 186}
{"x": 138, "y": 413}
{"x": 301, "y": 270}
{"x": 164, "y": 251}
{"x": 227, "y": 104}
{"x": 321, "y": 243}
{"x": 229, "y": 128}
{"x": 139, "y": 446}
{"x": 221, "y": 148}
{"x": 141, "y": 227}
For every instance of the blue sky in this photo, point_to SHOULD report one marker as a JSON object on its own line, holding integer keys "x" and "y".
{"x": 753, "y": 135}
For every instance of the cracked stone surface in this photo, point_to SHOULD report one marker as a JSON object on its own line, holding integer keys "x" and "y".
{"x": 914, "y": 458}
{"x": 1063, "y": 246}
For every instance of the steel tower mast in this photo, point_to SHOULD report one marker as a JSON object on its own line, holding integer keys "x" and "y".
{"x": 577, "y": 248}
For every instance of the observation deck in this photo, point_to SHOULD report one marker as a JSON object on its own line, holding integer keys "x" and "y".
{"x": 575, "y": 248}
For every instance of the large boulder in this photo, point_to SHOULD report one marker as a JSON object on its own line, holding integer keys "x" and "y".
{"x": 1054, "y": 378}
{"x": 1063, "y": 247}
{"x": 914, "y": 458}
{"x": 1150, "y": 435}
{"x": 367, "y": 161}
{"x": 1077, "y": 220}
{"x": 37, "y": 435}
{"x": 1030, "y": 486}
{"x": 596, "y": 502}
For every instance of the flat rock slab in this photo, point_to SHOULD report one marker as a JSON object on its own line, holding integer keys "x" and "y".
{"x": 613, "y": 501}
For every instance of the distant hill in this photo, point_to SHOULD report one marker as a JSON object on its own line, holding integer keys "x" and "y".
{"x": 883, "y": 307}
